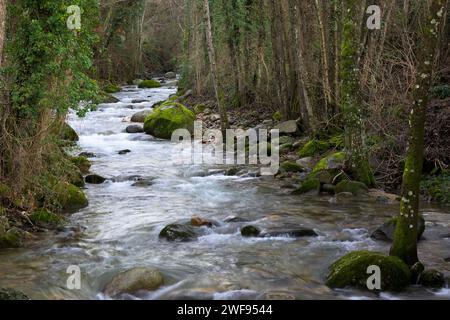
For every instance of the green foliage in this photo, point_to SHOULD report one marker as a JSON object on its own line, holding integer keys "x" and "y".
{"x": 149, "y": 84}
{"x": 43, "y": 217}
{"x": 437, "y": 188}
{"x": 49, "y": 62}
{"x": 111, "y": 88}
{"x": 81, "y": 163}
{"x": 441, "y": 91}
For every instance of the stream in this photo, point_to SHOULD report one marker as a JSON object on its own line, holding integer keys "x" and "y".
{"x": 120, "y": 227}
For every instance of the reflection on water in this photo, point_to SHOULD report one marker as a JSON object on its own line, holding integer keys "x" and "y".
{"x": 120, "y": 227}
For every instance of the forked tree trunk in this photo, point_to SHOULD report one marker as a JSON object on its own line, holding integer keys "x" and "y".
{"x": 405, "y": 239}
{"x": 213, "y": 65}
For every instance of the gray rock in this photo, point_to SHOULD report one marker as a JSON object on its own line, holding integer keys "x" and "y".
{"x": 234, "y": 219}
{"x": 134, "y": 129}
{"x": 134, "y": 280}
{"x": 140, "y": 116}
{"x": 170, "y": 75}
{"x": 287, "y": 127}
{"x": 387, "y": 230}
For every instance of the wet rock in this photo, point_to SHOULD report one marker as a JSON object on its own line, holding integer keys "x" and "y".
{"x": 142, "y": 183}
{"x": 13, "y": 238}
{"x": 232, "y": 171}
{"x": 140, "y": 116}
{"x": 292, "y": 233}
{"x": 311, "y": 185}
{"x": 87, "y": 155}
{"x": 12, "y": 294}
{"x": 134, "y": 280}
{"x": 416, "y": 271}
{"x": 122, "y": 152}
{"x": 168, "y": 118}
{"x": 139, "y": 101}
{"x": 46, "y": 219}
{"x": 234, "y": 219}
{"x": 432, "y": 278}
{"x": 351, "y": 271}
{"x": 81, "y": 163}
{"x": 383, "y": 197}
{"x": 134, "y": 129}
{"x": 250, "y": 231}
{"x": 178, "y": 232}
{"x": 199, "y": 222}
{"x": 328, "y": 188}
{"x": 71, "y": 197}
{"x": 94, "y": 179}
{"x": 170, "y": 75}
{"x": 387, "y": 230}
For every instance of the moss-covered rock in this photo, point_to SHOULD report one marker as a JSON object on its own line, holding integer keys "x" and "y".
{"x": 387, "y": 230}
{"x": 354, "y": 187}
{"x": 13, "y": 238}
{"x": 45, "y": 218}
{"x": 149, "y": 84}
{"x": 11, "y": 294}
{"x": 104, "y": 97}
{"x": 309, "y": 185}
{"x": 313, "y": 147}
{"x": 334, "y": 161}
{"x": 351, "y": 271}
{"x": 68, "y": 133}
{"x": 111, "y": 88}
{"x": 178, "y": 232}
{"x": 71, "y": 197}
{"x": 290, "y": 166}
{"x": 164, "y": 120}
{"x": 82, "y": 163}
{"x": 250, "y": 231}
{"x": 432, "y": 278}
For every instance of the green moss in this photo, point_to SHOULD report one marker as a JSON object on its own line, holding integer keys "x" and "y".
{"x": 312, "y": 148}
{"x": 354, "y": 187}
{"x": 331, "y": 162}
{"x": 199, "y": 108}
{"x": 167, "y": 118}
{"x": 44, "y": 217}
{"x": 173, "y": 98}
{"x": 441, "y": 91}
{"x": 13, "y": 238}
{"x": 432, "y": 278}
{"x": 311, "y": 184}
{"x": 68, "y": 133}
{"x": 149, "y": 84}
{"x": 71, "y": 198}
{"x": 290, "y": 166}
{"x": 351, "y": 271}
{"x": 277, "y": 116}
{"x": 81, "y": 163}
{"x": 104, "y": 97}
{"x": 111, "y": 88}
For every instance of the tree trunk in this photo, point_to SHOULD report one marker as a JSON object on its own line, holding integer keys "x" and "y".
{"x": 405, "y": 239}
{"x": 351, "y": 101}
{"x": 2, "y": 28}
{"x": 213, "y": 65}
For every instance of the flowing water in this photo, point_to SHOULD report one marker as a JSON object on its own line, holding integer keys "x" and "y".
{"x": 120, "y": 228}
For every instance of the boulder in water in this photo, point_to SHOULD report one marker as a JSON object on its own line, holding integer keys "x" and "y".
{"x": 292, "y": 233}
{"x": 140, "y": 116}
{"x": 250, "y": 231}
{"x": 164, "y": 120}
{"x": 432, "y": 278}
{"x": 94, "y": 179}
{"x": 134, "y": 129}
{"x": 170, "y": 75}
{"x": 68, "y": 133}
{"x": 123, "y": 152}
{"x": 387, "y": 230}
{"x": 178, "y": 232}
{"x": 71, "y": 197}
{"x": 134, "y": 280}
{"x": 351, "y": 271}
{"x": 354, "y": 187}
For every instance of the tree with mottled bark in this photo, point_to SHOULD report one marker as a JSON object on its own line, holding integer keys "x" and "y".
{"x": 405, "y": 239}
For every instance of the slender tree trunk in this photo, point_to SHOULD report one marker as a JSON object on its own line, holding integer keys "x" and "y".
{"x": 2, "y": 28}
{"x": 351, "y": 101}
{"x": 213, "y": 65}
{"x": 405, "y": 239}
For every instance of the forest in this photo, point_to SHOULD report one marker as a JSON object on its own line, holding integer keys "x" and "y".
{"x": 348, "y": 99}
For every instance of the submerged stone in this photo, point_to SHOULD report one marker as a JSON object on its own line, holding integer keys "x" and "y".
{"x": 134, "y": 280}
{"x": 250, "y": 231}
{"x": 178, "y": 232}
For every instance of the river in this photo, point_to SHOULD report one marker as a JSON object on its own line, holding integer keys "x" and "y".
{"x": 119, "y": 229}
